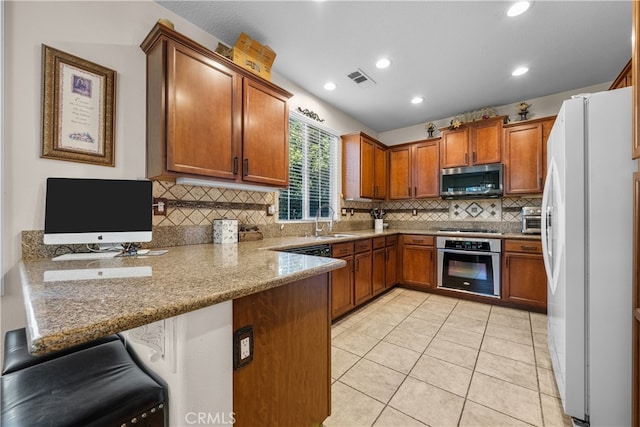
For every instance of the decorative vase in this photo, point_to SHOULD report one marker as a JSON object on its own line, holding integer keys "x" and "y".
{"x": 378, "y": 224}
{"x": 523, "y": 115}
{"x": 430, "y": 131}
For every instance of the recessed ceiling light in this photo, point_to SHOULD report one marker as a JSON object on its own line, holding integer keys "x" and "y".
{"x": 330, "y": 86}
{"x": 518, "y": 8}
{"x": 383, "y": 63}
{"x": 417, "y": 100}
{"x": 519, "y": 71}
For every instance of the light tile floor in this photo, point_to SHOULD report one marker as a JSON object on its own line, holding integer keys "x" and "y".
{"x": 413, "y": 359}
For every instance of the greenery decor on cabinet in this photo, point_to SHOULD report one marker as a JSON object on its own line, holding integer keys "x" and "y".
{"x": 221, "y": 138}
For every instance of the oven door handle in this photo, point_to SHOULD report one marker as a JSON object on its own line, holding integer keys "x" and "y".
{"x": 462, "y": 252}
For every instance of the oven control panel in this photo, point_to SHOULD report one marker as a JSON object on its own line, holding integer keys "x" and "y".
{"x": 467, "y": 245}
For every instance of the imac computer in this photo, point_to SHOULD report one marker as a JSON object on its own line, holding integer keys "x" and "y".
{"x": 106, "y": 212}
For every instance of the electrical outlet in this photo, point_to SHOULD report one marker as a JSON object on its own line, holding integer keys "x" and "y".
{"x": 353, "y": 212}
{"x": 414, "y": 212}
{"x": 343, "y": 211}
{"x": 271, "y": 210}
{"x": 160, "y": 206}
{"x": 242, "y": 347}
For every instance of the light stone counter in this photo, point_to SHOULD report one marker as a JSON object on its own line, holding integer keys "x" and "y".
{"x": 72, "y": 302}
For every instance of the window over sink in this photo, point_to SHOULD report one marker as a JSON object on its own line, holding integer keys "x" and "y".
{"x": 313, "y": 164}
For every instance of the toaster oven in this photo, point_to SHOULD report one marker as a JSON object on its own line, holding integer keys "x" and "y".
{"x": 531, "y": 220}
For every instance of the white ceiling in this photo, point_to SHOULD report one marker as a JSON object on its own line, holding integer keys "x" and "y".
{"x": 458, "y": 55}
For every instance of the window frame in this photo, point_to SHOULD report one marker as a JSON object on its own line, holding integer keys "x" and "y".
{"x": 335, "y": 176}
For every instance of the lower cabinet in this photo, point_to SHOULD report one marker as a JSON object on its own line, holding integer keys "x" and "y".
{"x": 362, "y": 271}
{"x": 524, "y": 281}
{"x": 391, "y": 261}
{"x": 418, "y": 261}
{"x": 288, "y": 382}
{"x": 378, "y": 266}
{"x": 342, "y": 296}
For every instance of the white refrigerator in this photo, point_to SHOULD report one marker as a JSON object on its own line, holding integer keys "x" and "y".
{"x": 587, "y": 247}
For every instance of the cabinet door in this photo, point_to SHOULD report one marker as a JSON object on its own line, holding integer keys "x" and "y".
{"x": 367, "y": 161}
{"x": 391, "y": 266}
{"x": 378, "y": 274}
{"x": 265, "y": 146}
{"x": 525, "y": 280}
{"x": 400, "y": 175}
{"x": 362, "y": 277}
{"x": 454, "y": 147}
{"x": 380, "y": 172}
{"x": 523, "y": 159}
{"x": 417, "y": 266}
{"x": 486, "y": 140}
{"x": 342, "y": 289}
{"x": 203, "y": 136}
{"x": 426, "y": 170}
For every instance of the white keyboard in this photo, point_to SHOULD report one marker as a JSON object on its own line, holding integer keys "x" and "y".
{"x": 86, "y": 256}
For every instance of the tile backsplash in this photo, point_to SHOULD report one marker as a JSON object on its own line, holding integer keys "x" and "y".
{"x": 192, "y": 209}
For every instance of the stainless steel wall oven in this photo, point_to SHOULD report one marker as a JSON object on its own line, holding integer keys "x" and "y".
{"x": 469, "y": 264}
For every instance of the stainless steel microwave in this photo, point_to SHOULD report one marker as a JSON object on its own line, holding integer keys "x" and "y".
{"x": 471, "y": 181}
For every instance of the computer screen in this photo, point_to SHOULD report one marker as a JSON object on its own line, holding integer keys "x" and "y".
{"x": 80, "y": 210}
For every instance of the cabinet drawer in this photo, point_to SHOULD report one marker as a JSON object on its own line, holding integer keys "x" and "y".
{"x": 363, "y": 246}
{"x": 392, "y": 240}
{"x": 528, "y": 246}
{"x": 342, "y": 249}
{"x": 416, "y": 239}
{"x": 378, "y": 242}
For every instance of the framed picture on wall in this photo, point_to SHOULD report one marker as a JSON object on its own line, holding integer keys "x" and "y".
{"x": 78, "y": 109}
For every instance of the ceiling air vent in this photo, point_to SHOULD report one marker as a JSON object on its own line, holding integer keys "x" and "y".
{"x": 361, "y": 79}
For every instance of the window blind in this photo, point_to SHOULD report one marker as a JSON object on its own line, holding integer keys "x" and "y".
{"x": 312, "y": 164}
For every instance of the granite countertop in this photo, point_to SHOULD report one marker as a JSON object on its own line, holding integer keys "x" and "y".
{"x": 72, "y": 302}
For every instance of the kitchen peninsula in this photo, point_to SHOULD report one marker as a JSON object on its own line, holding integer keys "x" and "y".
{"x": 196, "y": 295}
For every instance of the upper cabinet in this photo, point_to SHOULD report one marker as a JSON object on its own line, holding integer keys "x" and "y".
{"x": 364, "y": 167}
{"x": 209, "y": 118}
{"x": 524, "y": 155}
{"x": 474, "y": 143}
{"x": 624, "y": 79}
{"x": 414, "y": 170}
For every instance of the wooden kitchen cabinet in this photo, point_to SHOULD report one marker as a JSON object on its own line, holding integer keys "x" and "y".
{"x": 362, "y": 271}
{"x": 391, "y": 261}
{"x": 288, "y": 382}
{"x": 474, "y": 143}
{"x": 414, "y": 170}
{"x": 208, "y": 118}
{"x": 418, "y": 261}
{"x": 524, "y": 280}
{"x": 624, "y": 79}
{"x": 525, "y": 156}
{"x": 364, "y": 167}
{"x": 342, "y": 289}
{"x": 378, "y": 265}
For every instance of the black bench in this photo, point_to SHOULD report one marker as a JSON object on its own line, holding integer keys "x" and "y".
{"x": 101, "y": 383}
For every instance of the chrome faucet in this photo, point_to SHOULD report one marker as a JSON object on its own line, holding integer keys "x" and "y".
{"x": 319, "y": 230}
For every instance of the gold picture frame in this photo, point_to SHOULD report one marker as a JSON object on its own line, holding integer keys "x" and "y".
{"x": 78, "y": 109}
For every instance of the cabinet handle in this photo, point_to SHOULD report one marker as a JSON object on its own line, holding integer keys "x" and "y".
{"x": 540, "y": 182}
{"x": 431, "y": 255}
{"x": 507, "y": 264}
{"x": 409, "y": 188}
{"x": 235, "y": 165}
{"x": 357, "y": 265}
{"x": 245, "y": 167}
{"x": 528, "y": 248}
{"x": 415, "y": 191}
{"x": 375, "y": 191}
{"x": 466, "y": 158}
{"x": 474, "y": 157}
{"x": 418, "y": 241}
